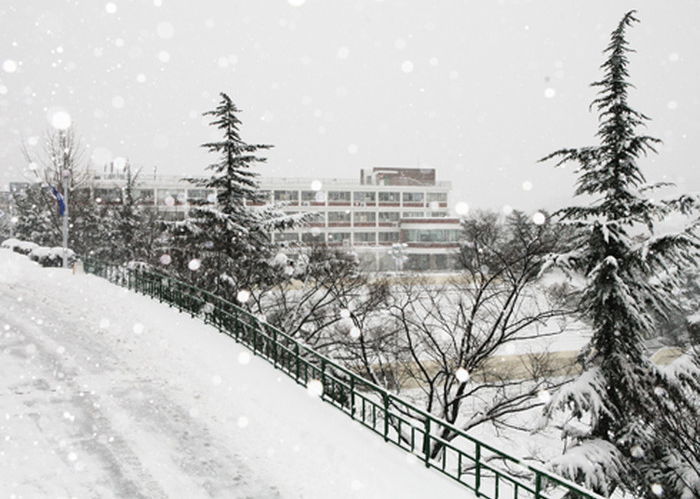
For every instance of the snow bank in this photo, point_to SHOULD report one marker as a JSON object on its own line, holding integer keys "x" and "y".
{"x": 113, "y": 394}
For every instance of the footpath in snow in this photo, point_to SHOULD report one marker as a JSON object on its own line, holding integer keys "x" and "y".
{"x": 105, "y": 393}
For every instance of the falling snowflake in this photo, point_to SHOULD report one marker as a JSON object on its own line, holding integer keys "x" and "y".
{"x": 343, "y": 53}
{"x": 544, "y": 396}
{"x": 527, "y": 185}
{"x": 138, "y": 328}
{"x": 104, "y": 323}
{"x": 110, "y": 8}
{"x": 314, "y": 388}
{"x": 242, "y": 421}
{"x": 462, "y": 375}
{"x": 280, "y": 259}
{"x": 243, "y": 296}
{"x": 194, "y": 264}
{"x": 407, "y": 66}
{"x": 118, "y": 102}
{"x": 9, "y": 66}
{"x": 244, "y": 358}
{"x": 355, "y": 332}
{"x": 165, "y": 30}
{"x": 462, "y": 208}
{"x": 60, "y": 120}
{"x": 165, "y": 259}
{"x": 549, "y": 93}
{"x": 539, "y": 218}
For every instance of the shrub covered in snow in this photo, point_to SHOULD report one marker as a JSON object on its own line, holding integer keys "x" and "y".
{"x": 18, "y": 246}
{"x": 44, "y": 256}
{"x": 51, "y": 257}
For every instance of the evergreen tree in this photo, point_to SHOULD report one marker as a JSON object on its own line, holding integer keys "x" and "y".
{"x": 135, "y": 229}
{"x": 226, "y": 246}
{"x": 37, "y": 220}
{"x": 620, "y": 437}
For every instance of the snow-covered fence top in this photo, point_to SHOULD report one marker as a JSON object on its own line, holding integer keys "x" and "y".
{"x": 479, "y": 466}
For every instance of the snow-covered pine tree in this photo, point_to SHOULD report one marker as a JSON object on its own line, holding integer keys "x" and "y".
{"x": 226, "y": 246}
{"x": 618, "y": 437}
{"x": 36, "y": 222}
{"x": 134, "y": 229}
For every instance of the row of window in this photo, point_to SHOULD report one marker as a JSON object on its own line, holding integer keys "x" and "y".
{"x": 369, "y": 217}
{"x": 364, "y": 197}
{"x": 340, "y": 237}
{"x": 432, "y": 235}
{"x": 180, "y": 196}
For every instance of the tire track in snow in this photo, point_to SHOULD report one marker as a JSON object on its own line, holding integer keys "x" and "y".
{"x": 134, "y": 403}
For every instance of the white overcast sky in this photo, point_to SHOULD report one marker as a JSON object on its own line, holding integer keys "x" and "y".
{"x": 477, "y": 89}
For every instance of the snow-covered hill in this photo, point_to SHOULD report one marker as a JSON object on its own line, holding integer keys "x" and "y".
{"x": 105, "y": 393}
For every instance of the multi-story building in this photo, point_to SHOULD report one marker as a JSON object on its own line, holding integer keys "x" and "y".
{"x": 391, "y": 217}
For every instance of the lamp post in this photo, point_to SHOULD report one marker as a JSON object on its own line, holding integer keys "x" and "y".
{"x": 65, "y": 179}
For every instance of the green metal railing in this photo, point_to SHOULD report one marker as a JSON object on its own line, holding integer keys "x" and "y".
{"x": 480, "y": 467}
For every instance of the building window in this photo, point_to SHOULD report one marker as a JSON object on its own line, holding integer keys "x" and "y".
{"x": 317, "y": 218}
{"x": 339, "y": 197}
{"x": 144, "y": 196}
{"x": 440, "y": 197}
{"x": 389, "y": 197}
{"x": 413, "y": 214}
{"x": 311, "y": 238}
{"x": 265, "y": 196}
{"x": 172, "y": 216}
{"x": 389, "y": 216}
{"x": 432, "y": 235}
{"x": 365, "y": 217}
{"x": 201, "y": 196}
{"x": 438, "y": 214}
{"x": 286, "y": 236}
{"x": 171, "y": 197}
{"x": 413, "y": 197}
{"x": 388, "y": 237}
{"x": 365, "y": 237}
{"x": 339, "y": 217}
{"x": 108, "y": 196}
{"x": 339, "y": 238}
{"x": 364, "y": 198}
{"x": 287, "y": 196}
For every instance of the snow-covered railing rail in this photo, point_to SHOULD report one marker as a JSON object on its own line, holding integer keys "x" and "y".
{"x": 479, "y": 466}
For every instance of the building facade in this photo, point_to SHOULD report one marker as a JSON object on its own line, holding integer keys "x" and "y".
{"x": 393, "y": 218}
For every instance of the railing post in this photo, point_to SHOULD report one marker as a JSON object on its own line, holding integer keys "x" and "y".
{"x": 352, "y": 397}
{"x": 255, "y": 339}
{"x": 426, "y": 442}
{"x": 274, "y": 346}
{"x": 296, "y": 360}
{"x": 477, "y": 464}
{"x": 538, "y": 485}
{"x": 385, "y": 396}
{"x": 323, "y": 378}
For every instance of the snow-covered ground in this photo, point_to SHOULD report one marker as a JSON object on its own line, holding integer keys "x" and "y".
{"x": 105, "y": 393}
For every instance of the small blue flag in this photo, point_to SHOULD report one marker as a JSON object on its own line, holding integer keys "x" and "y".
{"x": 61, "y": 201}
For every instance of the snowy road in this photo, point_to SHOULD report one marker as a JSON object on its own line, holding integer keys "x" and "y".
{"x": 104, "y": 393}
